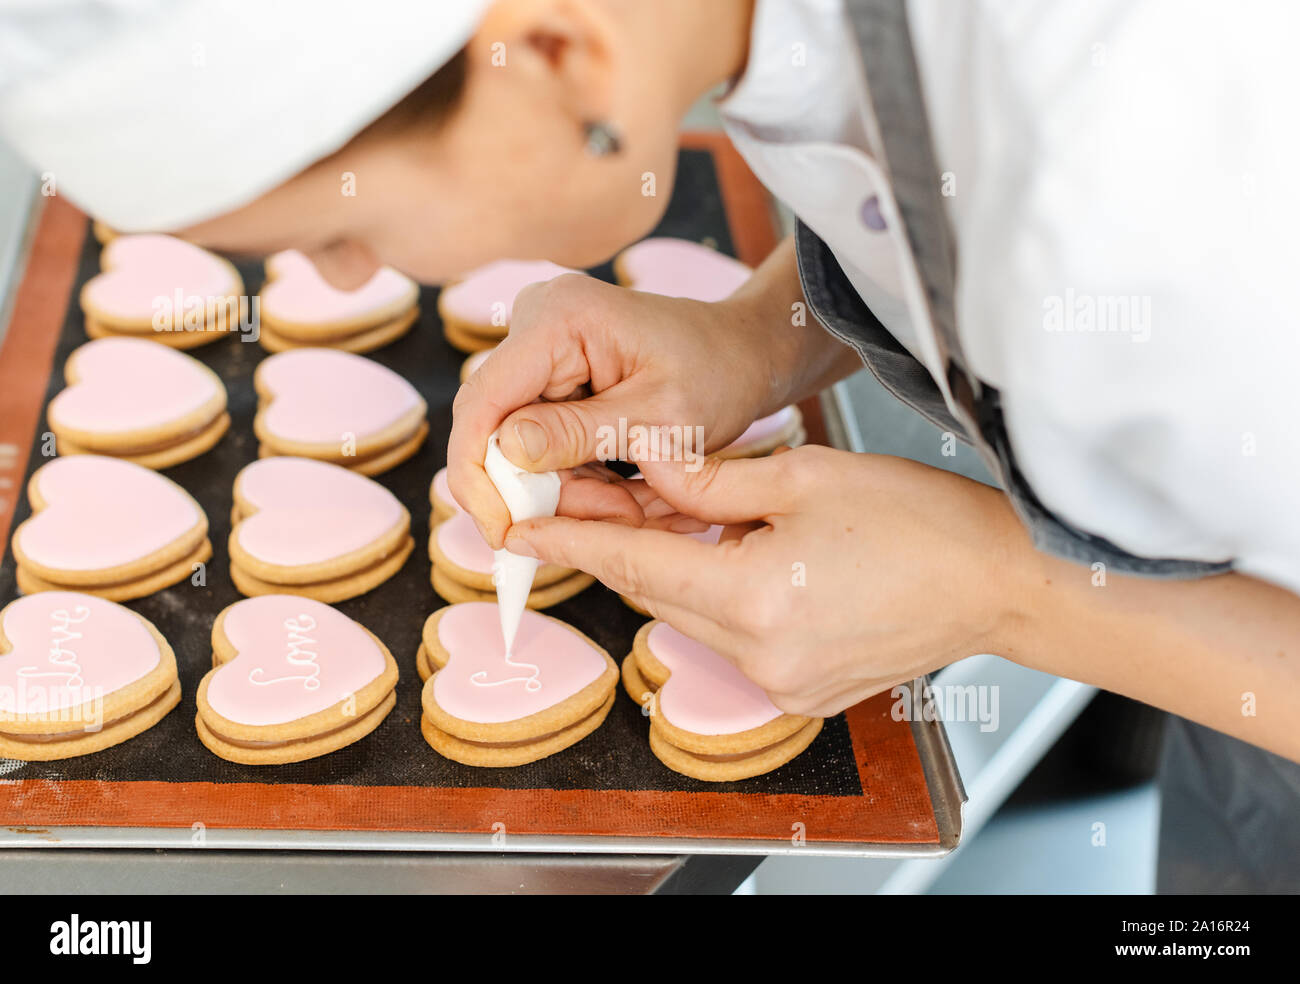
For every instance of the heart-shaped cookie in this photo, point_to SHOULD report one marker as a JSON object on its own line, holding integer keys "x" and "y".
{"x": 144, "y": 275}
{"x": 303, "y": 522}
{"x": 78, "y": 674}
{"x": 483, "y": 706}
{"x": 297, "y": 296}
{"x": 108, "y": 526}
{"x": 704, "y": 692}
{"x": 131, "y": 399}
{"x": 335, "y": 406}
{"x": 476, "y": 309}
{"x": 679, "y": 268}
{"x": 292, "y": 679}
{"x": 707, "y": 720}
{"x": 299, "y": 307}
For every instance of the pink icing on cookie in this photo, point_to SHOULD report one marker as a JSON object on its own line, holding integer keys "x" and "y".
{"x": 765, "y": 427}
{"x": 101, "y": 512}
{"x": 487, "y": 294}
{"x": 322, "y": 394}
{"x": 68, "y": 648}
{"x": 443, "y": 491}
{"x": 138, "y": 270}
{"x": 295, "y": 657}
{"x": 129, "y": 384}
{"x": 706, "y": 694}
{"x": 463, "y": 544}
{"x": 300, "y": 295}
{"x": 681, "y": 268}
{"x": 311, "y": 511}
{"x": 549, "y": 664}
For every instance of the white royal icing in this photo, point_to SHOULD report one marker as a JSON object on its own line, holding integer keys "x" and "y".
{"x": 528, "y": 495}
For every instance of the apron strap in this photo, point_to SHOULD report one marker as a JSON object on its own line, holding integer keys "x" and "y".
{"x": 894, "y": 87}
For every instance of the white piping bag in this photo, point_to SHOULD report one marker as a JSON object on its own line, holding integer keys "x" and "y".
{"x": 528, "y": 495}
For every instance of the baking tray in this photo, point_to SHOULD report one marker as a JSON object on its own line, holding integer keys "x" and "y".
{"x": 868, "y": 785}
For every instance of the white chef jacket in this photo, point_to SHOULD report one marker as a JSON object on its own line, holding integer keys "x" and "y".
{"x": 1117, "y": 177}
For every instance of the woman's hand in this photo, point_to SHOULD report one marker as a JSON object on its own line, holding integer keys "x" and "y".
{"x": 646, "y": 360}
{"x": 602, "y": 356}
{"x": 866, "y": 570}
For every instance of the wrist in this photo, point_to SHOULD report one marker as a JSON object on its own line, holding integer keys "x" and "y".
{"x": 1019, "y": 604}
{"x": 796, "y": 351}
{"x": 772, "y": 355}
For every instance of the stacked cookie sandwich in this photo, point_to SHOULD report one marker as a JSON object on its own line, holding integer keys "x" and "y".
{"x": 337, "y": 407}
{"x": 291, "y": 679}
{"x": 314, "y": 529}
{"x": 128, "y": 398}
{"x": 108, "y": 528}
{"x": 299, "y": 308}
{"x": 476, "y": 309}
{"x": 707, "y": 720}
{"x": 164, "y": 289}
{"x": 79, "y": 674}
{"x": 486, "y": 707}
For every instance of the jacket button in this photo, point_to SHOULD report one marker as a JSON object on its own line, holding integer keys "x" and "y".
{"x": 870, "y": 214}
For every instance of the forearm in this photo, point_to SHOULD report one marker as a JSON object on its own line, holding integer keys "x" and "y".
{"x": 1223, "y": 651}
{"x": 805, "y": 357}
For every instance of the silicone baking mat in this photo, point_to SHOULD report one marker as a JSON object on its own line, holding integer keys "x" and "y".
{"x": 861, "y": 780}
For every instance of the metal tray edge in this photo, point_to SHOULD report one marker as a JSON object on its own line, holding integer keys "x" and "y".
{"x": 163, "y": 838}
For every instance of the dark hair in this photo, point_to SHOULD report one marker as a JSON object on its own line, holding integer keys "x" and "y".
{"x": 429, "y": 103}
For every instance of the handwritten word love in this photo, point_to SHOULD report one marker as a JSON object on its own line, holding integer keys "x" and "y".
{"x": 63, "y": 659}
{"x": 298, "y": 656}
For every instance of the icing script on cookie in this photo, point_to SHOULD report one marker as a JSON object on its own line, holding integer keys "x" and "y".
{"x": 61, "y": 657}
{"x": 532, "y": 682}
{"x": 297, "y": 656}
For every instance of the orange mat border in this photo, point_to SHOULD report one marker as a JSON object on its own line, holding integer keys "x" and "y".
{"x": 27, "y": 353}
{"x": 891, "y": 773}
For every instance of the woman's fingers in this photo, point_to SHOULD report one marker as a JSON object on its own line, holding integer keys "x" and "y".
{"x": 640, "y": 563}
{"x": 661, "y": 515}
{"x": 550, "y": 436}
{"x": 596, "y": 469}
{"x": 543, "y": 357}
{"x": 698, "y": 625}
{"x": 659, "y": 512}
{"x": 829, "y": 700}
{"x": 513, "y": 377}
{"x": 738, "y": 531}
{"x": 729, "y": 491}
{"x": 584, "y": 497}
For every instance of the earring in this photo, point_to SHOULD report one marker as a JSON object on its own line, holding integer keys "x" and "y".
{"x": 602, "y": 140}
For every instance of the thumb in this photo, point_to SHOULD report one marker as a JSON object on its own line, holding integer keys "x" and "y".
{"x": 566, "y": 434}
{"x": 725, "y": 491}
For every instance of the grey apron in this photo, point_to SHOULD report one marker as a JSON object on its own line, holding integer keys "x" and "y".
{"x": 1231, "y": 812}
